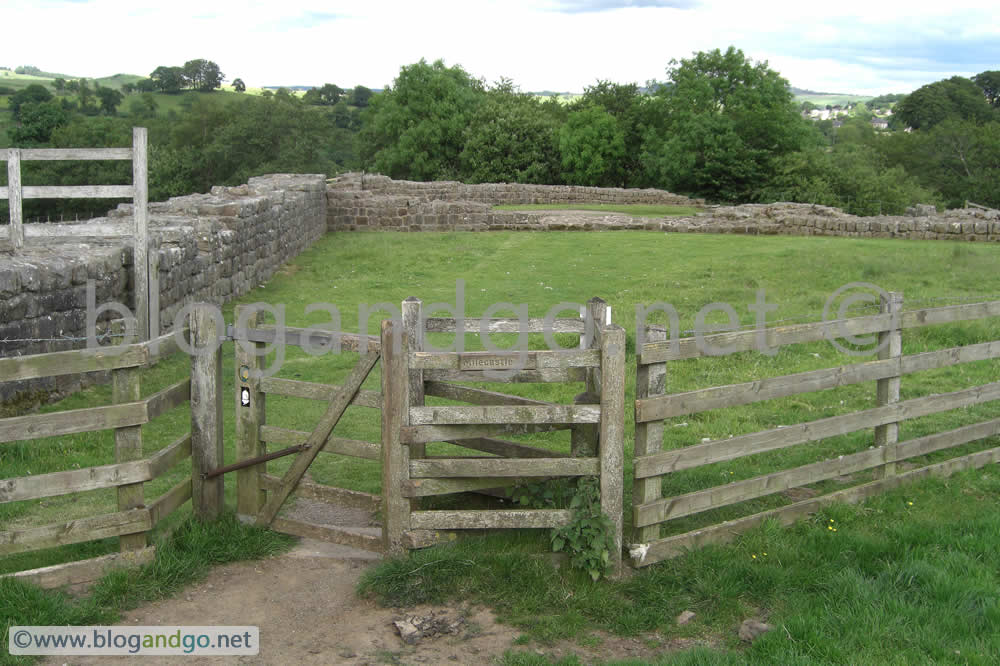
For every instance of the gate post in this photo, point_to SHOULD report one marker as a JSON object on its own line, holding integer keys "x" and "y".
{"x": 612, "y": 432}
{"x": 413, "y": 325}
{"x": 650, "y": 380}
{"x": 249, "y": 417}
{"x": 395, "y": 454}
{"x": 206, "y": 412}
{"x": 887, "y": 390}
{"x": 584, "y": 437}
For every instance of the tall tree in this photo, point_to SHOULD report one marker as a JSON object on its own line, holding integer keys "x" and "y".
{"x": 109, "y": 99}
{"x": 990, "y": 83}
{"x": 625, "y": 104}
{"x": 956, "y": 98}
{"x": 592, "y": 145}
{"x": 416, "y": 128}
{"x": 238, "y": 85}
{"x": 360, "y": 96}
{"x": 327, "y": 95}
{"x": 32, "y": 94}
{"x": 168, "y": 79}
{"x": 719, "y": 126}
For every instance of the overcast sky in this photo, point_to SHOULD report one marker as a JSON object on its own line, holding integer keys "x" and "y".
{"x": 866, "y": 47}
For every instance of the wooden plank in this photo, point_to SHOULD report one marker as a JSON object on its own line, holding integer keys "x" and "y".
{"x": 126, "y": 387}
{"x": 78, "y": 192}
{"x": 547, "y": 375}
{"x": 73, "y": 481}
{"x": 887, "y": 390}
{"x": 725, "y": 532}
{"x": 77, "y": 230}
{"x": 294, "y": 388}
{"x": 83, "y": 571}
{"x": 703, "y": 500}
{"x": 170, "y": 501}
{"x": 206, "y": 415}
{"x": 411, "y": 310}
{"x": 60, "y": 154}
{"x": 396, "y": 513}
{"x": 476, "y": 396}
{"x": 736, "y": 341}
{"x": 169, "y": 456}
{"x": 331, "y": 494}
{"x": 799, "y": 433}
{"x": 747, "y": 489}
{"x": 785, "y": 335}
{"x": 416, "y": 539}
{"x": 75, "y": 531}
{"x": 168, "y": 398}
{"x": 506, "y": 360}
{"x": 502, "y": 467}
{"x": 53, "y": 364}
{"x": 315, "y": 337}
{"x": 503, "y": 325}
{"x": 650, "y": 382}
{"x": 507, "y": 449}
{"x": 72, "y": 421}
{"x": 139, "y": 191}
{"x": 15, "y": 195}
{"x": 652, "y": 408}
{"x": 612, "y": 435}
{"x": 250, "y": 497}
{"x": 317, "y": 437}
{"x": 448, "y": 433}
{"x": 341, "y": 445}
{"x": 462, "y": 415}
{"x": 485, "y": 520}
{"x": 339, "y": 535}
{"x": 429, "y": 487}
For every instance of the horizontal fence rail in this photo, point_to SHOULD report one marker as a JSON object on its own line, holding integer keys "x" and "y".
{"x": 653, "y": 404}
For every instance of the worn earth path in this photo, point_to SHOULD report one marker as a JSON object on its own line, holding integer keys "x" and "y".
{"x": 304, "y": 603}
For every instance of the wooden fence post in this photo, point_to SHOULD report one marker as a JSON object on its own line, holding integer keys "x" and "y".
{"x": 14, "y": 197}
{"x": 206, "y": 413}
{"x": 887, "y": 390}
{"x": 140, "y": 252}
{"x": 650, "y": 380}
{"x": 612, "y": 442}
{"x": 250, "y": 498}
{"x": 395, "y": 454}
{"x": 412, "y": 310}
{"x": 128, "y": 447}
{"x": 584, "y": 437}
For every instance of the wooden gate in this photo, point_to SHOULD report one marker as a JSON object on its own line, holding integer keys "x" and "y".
{"x": 260, "y": 495}
{"x": 410, "y": 374}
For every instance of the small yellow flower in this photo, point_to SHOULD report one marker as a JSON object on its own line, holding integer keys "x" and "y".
{"x": 831, "y": 520}
{"x": 834, "y": 529}
{"x": 765, "y": 554}
{"x": 829, "y": 527}
{"x": 754, "y": 556}
{"x": 731, "y": 473}
{"x": 909, "y": 504}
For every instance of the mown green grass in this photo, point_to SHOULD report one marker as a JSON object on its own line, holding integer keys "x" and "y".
{"x": 637, "y": 210}
{"x": 626, "y": 269}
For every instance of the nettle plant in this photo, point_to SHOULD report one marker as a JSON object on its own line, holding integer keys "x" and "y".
{"x": 587, "y": 538}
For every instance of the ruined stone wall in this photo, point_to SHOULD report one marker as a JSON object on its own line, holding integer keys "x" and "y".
{"x": 211, "y": 248}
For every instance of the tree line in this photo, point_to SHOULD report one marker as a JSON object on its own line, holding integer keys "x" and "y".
{"x": 720, "y": 126}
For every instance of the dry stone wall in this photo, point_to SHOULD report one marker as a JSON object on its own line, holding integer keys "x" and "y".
{"x": 212, "y": 248}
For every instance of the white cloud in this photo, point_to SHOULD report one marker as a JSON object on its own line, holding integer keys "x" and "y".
{"x": 849, "y": 46}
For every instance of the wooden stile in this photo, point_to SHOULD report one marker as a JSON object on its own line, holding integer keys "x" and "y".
{"x": 887, "y": 390}
{"x": 650, "y": 380}
{"x": 206, "y": 415}
{"x": 395, "y": 453}
{"x": 250, "y": 497}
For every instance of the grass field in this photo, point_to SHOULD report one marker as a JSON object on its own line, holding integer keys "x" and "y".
{"x": 638, "y": 210}
{"x": 897, "y": 583}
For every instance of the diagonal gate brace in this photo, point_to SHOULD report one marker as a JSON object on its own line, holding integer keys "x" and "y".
{"x": 314, "y": 444}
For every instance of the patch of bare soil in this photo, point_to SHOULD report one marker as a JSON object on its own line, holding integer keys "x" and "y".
{"x": 305, "y": 605}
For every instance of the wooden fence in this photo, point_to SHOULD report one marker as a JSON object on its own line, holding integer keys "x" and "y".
{"x": 653, "y": 404}
{"x": 409, "y": 374}
{"x": 138, "y": 191}
{"x": 253, "y": 434}
{"x": 135, "y": 517}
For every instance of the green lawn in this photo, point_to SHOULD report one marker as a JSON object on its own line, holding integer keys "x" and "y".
{"x": 637, "y": 210}
{"x": 897, "y": 583}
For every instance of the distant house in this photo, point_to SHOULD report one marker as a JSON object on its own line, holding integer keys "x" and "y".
{"x": 838, "y": 123}
{"x": 880, "y": 123}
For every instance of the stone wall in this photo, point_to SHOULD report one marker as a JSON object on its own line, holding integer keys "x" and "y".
{"x": 376, "y": 203}
{"x": 212, "y": 248}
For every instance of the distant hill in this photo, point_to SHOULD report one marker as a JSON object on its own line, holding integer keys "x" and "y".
{"x": 9, "y": 79}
